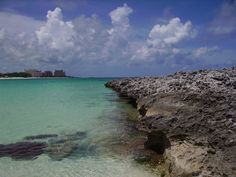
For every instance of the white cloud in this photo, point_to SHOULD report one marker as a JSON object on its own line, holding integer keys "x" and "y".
{"x": 120, "y": 16}
{"x": 172, "y": 33}
{"x": 56, "y": 34}
{"x": 162, "y": 38}
{"x": 90, "y": 38}
{"x": 203, "y": 51}
{"x": 119, "y": 34}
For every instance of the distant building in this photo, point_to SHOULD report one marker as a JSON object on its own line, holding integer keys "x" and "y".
{"x": 34, "y": 72}
{"x": 59, "y": 73}
{"x": 47, "y": 74}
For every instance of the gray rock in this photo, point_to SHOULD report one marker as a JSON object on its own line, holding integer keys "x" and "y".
{"x": 197, "y": 106}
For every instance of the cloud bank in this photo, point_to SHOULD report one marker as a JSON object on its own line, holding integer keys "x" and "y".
{"x": 55, "y": 42}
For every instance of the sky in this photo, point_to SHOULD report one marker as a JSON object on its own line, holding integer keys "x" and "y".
{"x": 117, "y": 38}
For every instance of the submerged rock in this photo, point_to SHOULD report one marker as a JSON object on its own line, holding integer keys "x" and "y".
{"x": 23, "y": 150}
{"x": 141, "y": 155}
{"x": 40, "y": 137}
{"x": 79, "y": 135}
{"x": 55, "y": 146}
{"x": 63, "y": 146}
{"x": 59, "y": 151}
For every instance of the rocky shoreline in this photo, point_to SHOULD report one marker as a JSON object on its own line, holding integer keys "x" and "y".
{"x": 190, "y": 119}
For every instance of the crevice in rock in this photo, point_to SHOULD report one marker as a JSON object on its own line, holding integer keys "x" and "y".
{"x": 142, "y": 110}
{"x": 157, "y": 141}
{"x": 133, "y": 102}
{"x": 130, "y": 100}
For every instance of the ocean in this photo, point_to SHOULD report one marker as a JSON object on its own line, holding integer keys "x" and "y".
{"x": 83, "y": 124}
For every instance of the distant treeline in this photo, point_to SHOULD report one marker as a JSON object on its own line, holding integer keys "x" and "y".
{"x": 16, "y": 74}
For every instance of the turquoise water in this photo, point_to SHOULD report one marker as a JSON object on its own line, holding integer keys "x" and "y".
{"x": 62, "y": 107}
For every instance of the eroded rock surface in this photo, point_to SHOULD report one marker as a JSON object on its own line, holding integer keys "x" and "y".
{"x": 197, "y": 113}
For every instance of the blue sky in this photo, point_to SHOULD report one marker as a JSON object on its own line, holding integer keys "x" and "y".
{"x": 117, "y": 37}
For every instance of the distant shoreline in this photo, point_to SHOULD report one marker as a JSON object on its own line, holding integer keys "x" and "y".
{"x": 68, "y": 77}
{"x": 28, "y": 78}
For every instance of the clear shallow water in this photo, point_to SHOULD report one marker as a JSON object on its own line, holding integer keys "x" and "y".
{"x": 65, "y": 106}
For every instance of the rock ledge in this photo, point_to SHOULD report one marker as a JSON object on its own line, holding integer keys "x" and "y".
{"x": 195, "y": 112}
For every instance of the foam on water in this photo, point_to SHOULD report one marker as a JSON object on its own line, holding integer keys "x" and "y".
{"x": 62, "y": 106}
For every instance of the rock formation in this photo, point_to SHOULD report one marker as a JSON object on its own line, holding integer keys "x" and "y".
{"x": 190, "y": 117}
